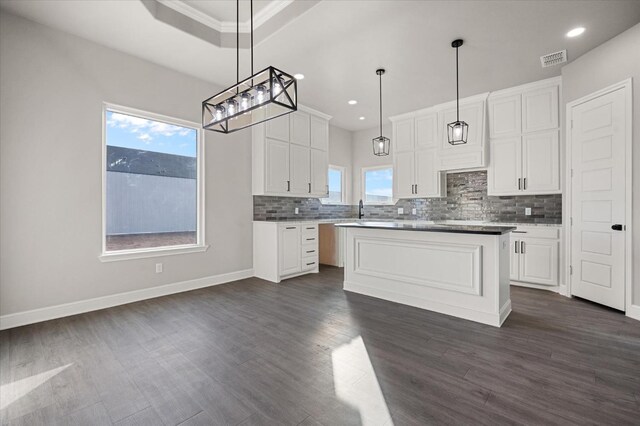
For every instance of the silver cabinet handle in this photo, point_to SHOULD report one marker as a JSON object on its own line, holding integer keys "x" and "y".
{"x": 525, "y": 183}
{"x": 288, "y": 185}
{"x": 522, "y": 247}
{"x": 291, "y": 227}
{"x": 309, "y": 187}
{"x": 519, "y": 184}
{"x": 312, "y": 263}
{"x": 516, "y": 247}
{"x": 416, "y": 188}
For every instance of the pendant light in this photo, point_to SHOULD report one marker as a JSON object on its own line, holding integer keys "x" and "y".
{"x": 265, "y": 95}
{"x": 381, "y": 144}
{"x": 458, "y": 130}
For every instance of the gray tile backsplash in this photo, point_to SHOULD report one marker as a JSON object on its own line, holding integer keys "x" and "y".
{"x": 466, "y": 199}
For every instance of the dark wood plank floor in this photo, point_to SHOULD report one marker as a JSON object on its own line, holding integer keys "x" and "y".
{"x": 306, "y": 353}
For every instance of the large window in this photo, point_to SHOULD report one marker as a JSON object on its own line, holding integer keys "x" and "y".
{"x": 377, "y": 185}
{"x": 336, "y": 179}
{"x": 152, "y": 186}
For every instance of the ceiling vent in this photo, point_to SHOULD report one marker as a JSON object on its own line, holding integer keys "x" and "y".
{"x": 554, "y": 58}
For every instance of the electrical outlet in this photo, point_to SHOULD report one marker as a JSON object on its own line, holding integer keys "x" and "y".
{"x": 158, "y": 268}
{"x": 400, "y": 210}
{"x": 527, "y": 211}
{"x": 414, "y": 212}
{"x": 296, "y": 211}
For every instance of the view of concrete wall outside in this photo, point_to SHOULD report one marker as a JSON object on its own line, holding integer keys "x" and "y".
{"x": 151, "y": 190}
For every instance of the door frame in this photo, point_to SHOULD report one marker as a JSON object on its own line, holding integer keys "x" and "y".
{"x": 625, "y": 85}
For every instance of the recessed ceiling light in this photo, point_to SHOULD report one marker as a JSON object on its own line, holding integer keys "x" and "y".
{"x": 299, "y": 76}
{"x": 352, "y": 102}
{"x": 575, "y": 32}
{"x": 361, "y": 118}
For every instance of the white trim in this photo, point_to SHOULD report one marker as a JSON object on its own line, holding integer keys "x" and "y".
{"x": 547, "y": 82}
{"x": 268, "y": 12}
{"x": 314, "y": 112}
{"x": 343, "y": 186}
{"x": 633, "y": 311}
{"x": 625, "y": 85}
{"x": 59, "y": 311}
{"x": 438, "y": 107}
{"x": 363, "y": 182}
{"x": 200, "y": 245}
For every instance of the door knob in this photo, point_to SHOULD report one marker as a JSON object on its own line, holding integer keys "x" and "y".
{"x": 617, "y": 227}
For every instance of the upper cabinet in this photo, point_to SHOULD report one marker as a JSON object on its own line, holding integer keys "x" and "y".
{"x": 290, "y": 155}
{"x": 524, "y": 140}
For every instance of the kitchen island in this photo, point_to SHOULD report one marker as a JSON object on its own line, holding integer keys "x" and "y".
{"x": 458, "y": 270}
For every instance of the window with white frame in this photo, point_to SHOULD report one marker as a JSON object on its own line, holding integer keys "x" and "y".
{"x": 152, "y": 186}
{"x": 336, "y": 181}
{"x": 377, "y": 185}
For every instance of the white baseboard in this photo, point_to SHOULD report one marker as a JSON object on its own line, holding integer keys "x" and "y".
{"x": 52, "y": 312}
{"x": 633, "y": 312}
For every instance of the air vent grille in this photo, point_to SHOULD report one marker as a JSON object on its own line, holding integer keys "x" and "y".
{"x": 554, "y": 58}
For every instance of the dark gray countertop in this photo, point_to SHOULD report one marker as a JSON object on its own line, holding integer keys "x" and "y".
{"x": 459, "y": 229}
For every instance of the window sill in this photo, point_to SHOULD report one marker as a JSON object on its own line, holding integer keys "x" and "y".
{"x": 333, "y": 204}
{"x": 151, "y": 252}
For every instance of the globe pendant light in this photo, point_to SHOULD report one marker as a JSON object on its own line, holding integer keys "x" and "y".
{"x": 265, "y": 95}
{"x": 458, "y": 130}
{"x": 381, "y": 144}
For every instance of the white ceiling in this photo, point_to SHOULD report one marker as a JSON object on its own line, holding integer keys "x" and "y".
{"x": 338, "y": 44}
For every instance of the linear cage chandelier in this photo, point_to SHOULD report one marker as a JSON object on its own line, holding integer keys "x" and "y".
{"x": 265, "y": 95}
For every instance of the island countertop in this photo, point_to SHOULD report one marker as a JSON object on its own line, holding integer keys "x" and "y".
{"x": 456, "y": 229}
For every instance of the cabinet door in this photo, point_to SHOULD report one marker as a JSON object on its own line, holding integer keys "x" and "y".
{"x": 428, "y": 178}
{"x": 504, "y": 176}
{"x": 514, "y": 257}
{"x": 278, "y": 128}
{"x": 540, "y": 109}
{"x": 276, "y": 166}
{"x": 289, "y": 249}
{"x": 403, "y": 135}
{"x": 403, "y": 175}
{"x": 426, "y": 135}
{"x": 300, "y": 128}
{"x": 319, "y": 133}
{"x": 505, "y": 114}
{"x": 541, "y": 162}
{"x": 300, "y": 169}
{"x": 319, "y": 172}
{"x": 539, "y": 261}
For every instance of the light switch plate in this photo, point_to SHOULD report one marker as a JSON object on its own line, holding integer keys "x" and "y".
{"x": 400, "y": 210}
{"x": 297, "y": 211}
{"x": 158, "y": 268}
{"x": 414, "y": 212}
{"x": 527, "y": 211}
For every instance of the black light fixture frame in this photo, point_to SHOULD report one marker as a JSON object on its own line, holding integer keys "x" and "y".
{"x": 285, "y": 100}
{"x": 457, "y": 131}
{"x": 381, "y": 144}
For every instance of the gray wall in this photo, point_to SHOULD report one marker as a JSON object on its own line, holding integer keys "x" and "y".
{"x": 52, "y": 87}
{"x": 138, "y": 204}
{"x": 607, "y": 64}
{"x": 340, "y": 154}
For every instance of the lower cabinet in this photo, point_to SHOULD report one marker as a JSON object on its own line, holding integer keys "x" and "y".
{"x": 284, "y": 250}
{"x": 535, "y": 256}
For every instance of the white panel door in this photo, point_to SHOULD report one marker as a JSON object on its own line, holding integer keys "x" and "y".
{"x": 505, "y": 116}
{"x": 276, "y": 166}
{"x": 539, "y": 261}
{"x": 541, "y": 162}
{"x": 426, "y": 135}
{"x": 504, "y": 176}
{"x": 300, "y": 128}
{"x": 403, "y": 135}
{"x": 300, "y": 169}
{"x": 514, "y": 257}
{"x": 319, "y": 172}
{"x": 319, "y": 133}
{"x": 427, "y": 176}
{"x": 289, "y": 249}
{"x": 598, "y": 148}
{"x": 278, "y": 128}
{"x": 403, "y": 175}
{"x": 540, "y": 109}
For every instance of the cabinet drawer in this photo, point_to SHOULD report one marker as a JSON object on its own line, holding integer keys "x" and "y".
{"x": 310, "y": 237}
{"x": 309, "y": 264}
{"x": 309, "y": 250}
{"x": 309, "y": 230}
{"x": 536, "y": 232}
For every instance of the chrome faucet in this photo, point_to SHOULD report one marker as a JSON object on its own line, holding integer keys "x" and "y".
{"x": 360, "y": 208}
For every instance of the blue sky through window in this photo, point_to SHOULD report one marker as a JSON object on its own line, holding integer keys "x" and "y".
{"x": 129, "y": 131}
{"x": 335, "y": 185}
{"x": 379, "y": 185}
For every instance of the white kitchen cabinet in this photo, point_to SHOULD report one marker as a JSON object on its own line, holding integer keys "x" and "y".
{"x": 284, "y": 249}
{"x": 300, "y": 128}
{"x": 415, "y": 157}
{"x": 290, "y": 156}
{"x": 524, "y": 148}
{"x": 277, "y": 162}
{"x": 319, "y": 133}
{"x": 540, "y": 109}
{"x": 319, "y": 166}
{"x": 535, "y": 256}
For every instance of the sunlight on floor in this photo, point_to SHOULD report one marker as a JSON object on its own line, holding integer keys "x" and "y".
{"x": 355, "y": 383}
{"x": 11, "y": 392}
